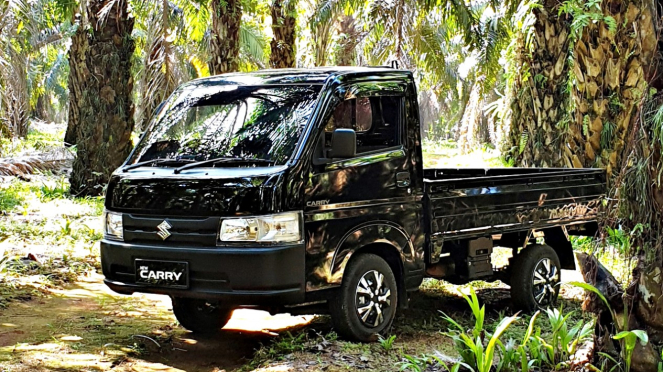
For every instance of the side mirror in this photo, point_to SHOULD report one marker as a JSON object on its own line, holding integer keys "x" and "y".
{"x": 343, "y": 144}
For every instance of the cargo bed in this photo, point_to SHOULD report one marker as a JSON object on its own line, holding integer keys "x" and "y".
{"x": 467, "y": 203}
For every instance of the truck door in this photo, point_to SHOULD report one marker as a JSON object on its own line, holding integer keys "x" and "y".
{"x": 373, "y": 187}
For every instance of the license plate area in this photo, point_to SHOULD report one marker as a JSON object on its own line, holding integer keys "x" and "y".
{"x": 172, "y": 274}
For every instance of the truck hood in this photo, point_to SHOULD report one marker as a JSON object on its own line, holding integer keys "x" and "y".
{"x": 196, "y": 192}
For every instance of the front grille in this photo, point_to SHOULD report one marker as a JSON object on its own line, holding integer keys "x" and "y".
{"x": 183, "y": 231}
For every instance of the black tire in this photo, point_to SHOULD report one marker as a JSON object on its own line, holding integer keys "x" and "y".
{"x": 378, "y": 314}
{"x": 535, "y": 278}
{"x": 200, "y": 316}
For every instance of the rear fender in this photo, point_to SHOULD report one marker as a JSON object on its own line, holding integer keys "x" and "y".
{"x": 557, "y": 238}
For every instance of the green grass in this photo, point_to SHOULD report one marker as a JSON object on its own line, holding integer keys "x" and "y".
{"x": 41, "y": 218}
{"x": 26, "y": 195}
{"x": 445, "y": 154}
{"x": 35, "y": 141}
{"x": 13, "y": 194}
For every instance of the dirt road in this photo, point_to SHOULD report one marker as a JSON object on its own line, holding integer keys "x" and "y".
{"x": 86, "y": 327}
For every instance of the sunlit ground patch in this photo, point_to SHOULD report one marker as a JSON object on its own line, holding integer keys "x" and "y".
{"x": 256, "y": 320}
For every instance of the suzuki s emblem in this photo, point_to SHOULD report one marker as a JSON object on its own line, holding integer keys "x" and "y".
{"x": 163, "y": 230}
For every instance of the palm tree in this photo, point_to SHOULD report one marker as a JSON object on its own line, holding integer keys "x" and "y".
{"x": 225, "y": 36}
{"x": 160, "y": 30}
{"x": 421, "y": 38}
{"x": 105, "y": 108}
{"x": 350, "y": 37}
{"x": 173, "y": 39}
{"x": 24, "y": 31}
{"x": 325, "y": 13}
{"x": 640, "y": 190}
{"x": 75, "y": 11}
{"x": 284, "y": 19}
{"x": 580, "y": 97}
{"x": 159, "y": 75}
{"x": 77, "y": 80}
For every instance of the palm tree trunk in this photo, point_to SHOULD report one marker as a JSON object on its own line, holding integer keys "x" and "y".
{"x": 15, "y": 101}
{"x": 639, "y": 185}
{"x": 470, "y": 124}
{"x": 321, "y": 35}
{"x": 400, "y": 35}
{"x": 575, "y": 112}
{"x": 105, "y": 109}
{"x": 226, "y": 20}
{"x": 596, "y": 98}
{"x": 539, "y": 127}
{"x": 15, "y": 106}
{"x": 77, "y": 75}
{"x": 283, "y": 26}
{"x": 41, "y": 107}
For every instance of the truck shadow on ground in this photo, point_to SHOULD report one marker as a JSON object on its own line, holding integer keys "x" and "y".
{"x": 297, "y": 345}
{"x": 87, "y": 327}
{"x": 233, "y": 347}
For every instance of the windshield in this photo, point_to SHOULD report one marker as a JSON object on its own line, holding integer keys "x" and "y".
{"x": 228, "y": 121}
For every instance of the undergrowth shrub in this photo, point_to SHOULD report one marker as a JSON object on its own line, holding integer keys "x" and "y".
{"x": 482, "y": 350}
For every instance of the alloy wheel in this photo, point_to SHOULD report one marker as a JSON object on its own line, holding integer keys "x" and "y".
{"x": 545, "y": 280}
{"x": 372, "y": 299}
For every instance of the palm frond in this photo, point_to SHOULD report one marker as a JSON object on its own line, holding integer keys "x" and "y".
{"x": 51, "y": 35}
{"x": 495, "y": 39}
{"x": 54, "y": 76}
{"x": 105, "y": 11}
{"x": 253, "y": 44}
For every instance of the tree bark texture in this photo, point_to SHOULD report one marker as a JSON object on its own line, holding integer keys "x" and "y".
{"x": 469, "y": 135}
{"x": 321, "y": 35}
{"x": 77, "y": 74}
{"x": 579, "y": 103}
{"x": 226, "y": 20}
{"x": 639, "y": 188}
{"x": 284, "y": 22}
{"x": 574, "y": 109}
{"x": 105, "y": 109}
{"x": 15, "y": 106}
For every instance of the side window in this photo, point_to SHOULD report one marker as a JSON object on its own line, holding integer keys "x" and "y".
{"x": 376, "y": 120}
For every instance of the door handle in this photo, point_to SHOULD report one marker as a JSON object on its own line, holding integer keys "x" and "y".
{"x": 403, "y": 179}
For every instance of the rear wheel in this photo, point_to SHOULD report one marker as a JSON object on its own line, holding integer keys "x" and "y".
{"x": 535, "y": 278}
{"x": 368, "y": 298}
{"x": 200, "y": 316}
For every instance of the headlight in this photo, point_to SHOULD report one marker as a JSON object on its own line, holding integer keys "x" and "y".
{"x": 113, "y": 225}
{"x": 283, "y": 227}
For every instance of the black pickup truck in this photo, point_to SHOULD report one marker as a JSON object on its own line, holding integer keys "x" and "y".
{"x": 304, "y": 191}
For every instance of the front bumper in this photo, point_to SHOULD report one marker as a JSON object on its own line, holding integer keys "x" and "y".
{"x": 234, "y": 275}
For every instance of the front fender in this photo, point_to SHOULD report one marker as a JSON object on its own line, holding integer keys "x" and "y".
{"x": 386, "y": 233}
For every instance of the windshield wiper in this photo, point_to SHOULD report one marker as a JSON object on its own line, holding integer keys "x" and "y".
{"x": 155, "y": 162}
{"x": 221, "y": 160}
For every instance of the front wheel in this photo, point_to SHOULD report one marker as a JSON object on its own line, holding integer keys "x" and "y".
{"x": 200, "y": 316}
{"x": 367, "y": 301}
{"x": 536, "y": 278}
